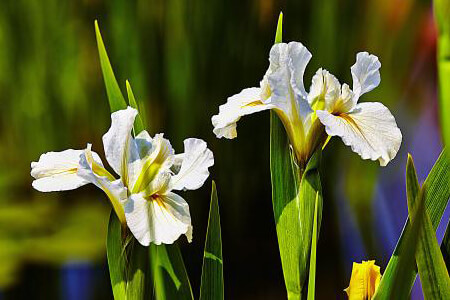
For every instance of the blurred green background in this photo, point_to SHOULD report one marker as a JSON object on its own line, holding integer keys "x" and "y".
{"x": 183, "y": 59}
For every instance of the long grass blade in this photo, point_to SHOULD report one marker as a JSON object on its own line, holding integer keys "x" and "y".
{"x": 435, "y": 201}
{"x": 170, "y": 279}
{"x": 312, "y": 259}
{"x": 115, "y": 97}
{"x": 430, "y": 263}
{"x": 212, "y": 286}
{"x": 117, "y": 261}
{"x": 138, "y": 123}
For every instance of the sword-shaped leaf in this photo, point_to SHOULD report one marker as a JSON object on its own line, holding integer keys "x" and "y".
{"x": 435, "y": 201}
{"x": 430, "y": 263}
{"x": 115, "y": 97}
{"x": 212, "y": 287}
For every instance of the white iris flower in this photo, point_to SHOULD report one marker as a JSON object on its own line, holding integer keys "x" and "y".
{"x": 149, "y": 171}
{"x": 368, "y": 128}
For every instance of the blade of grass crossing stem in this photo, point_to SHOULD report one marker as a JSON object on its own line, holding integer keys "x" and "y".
{"x": 128, "y": 263}
{"x": 115, "y": 97}
{"x": 212, "y": 286}
{"x": 138, "y": 275}
{"x": 436, "y": 199}
{"x": 284, "y": 200}
{"x": 312, "y": 259}
{"x": 138, "y": 123}
{"x": 117, "y": 261}
{"x": 402, "y": 287}
{"x": 430, "y": 263}
{"x": 170, "y": 279}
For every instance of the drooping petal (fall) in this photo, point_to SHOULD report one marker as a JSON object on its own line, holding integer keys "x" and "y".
{"x": 57, "y": 171}
{"x": 365, "y": 73}
{"x": 120, "y": 148}
{"x": 248, "y": 101}
{"x": 365, "y": 279}
{"x": 159, "y": 220}
{"x": 369, "y": 129}
{"x": 197, "y": 158}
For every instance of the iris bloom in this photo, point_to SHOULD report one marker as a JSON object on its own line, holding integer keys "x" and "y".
{"x": 148, "y": 172}
{"x": 368, "y": 128}
{"x": 365, "y": 279}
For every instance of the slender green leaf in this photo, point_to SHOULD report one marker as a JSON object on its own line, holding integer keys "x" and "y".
{"x": 138, "y": 275}
{"x": 170, "y": 279}
{"x": 279, "y": 33}
{"x": 436, "y": 199}
{"x": 117, "y": 261}
{"x": 430, "y": 263}
{"x": 399, "y": 278}
{"x": 442, "y": 15}
{"x": 115, "y": 97}
{"x": 312, "y": 260}
{"x": 293, "y": 197}
{"x": 138, "y": 123}
{"x": 212, "y": 287}
{"x": 127, "y": 261}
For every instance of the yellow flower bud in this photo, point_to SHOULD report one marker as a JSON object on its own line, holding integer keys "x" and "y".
{"x": 365, "y": 279}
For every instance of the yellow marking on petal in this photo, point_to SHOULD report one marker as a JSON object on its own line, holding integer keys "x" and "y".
{"x": 96, "y": 168}
{"x": 254, "y": 103}
{"x": 117, "y": 206}
{"x": 151, "y": 167}
{"x": 365, "y": 279}
{"x": 349, "y": 119}
{"x": 102, "y": 172}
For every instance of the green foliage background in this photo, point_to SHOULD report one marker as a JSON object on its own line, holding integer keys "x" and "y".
{"x": 183, "y": 59}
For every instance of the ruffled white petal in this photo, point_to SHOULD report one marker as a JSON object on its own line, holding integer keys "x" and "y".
{"x": 285, "y": 78}
{"x": 197, "y": 158}
{"x": 248, "y": 101}
{"x": 299, "y": 57}
{"x": 158, "y": 220}
{"x": 346, "y": 100}
{"x": 57, "y": 171}
{"x": 119, "y": 145}
{"x": 369, "y": 129}
{"x": 365, "y": 73}
{"x": 325, "y": 90}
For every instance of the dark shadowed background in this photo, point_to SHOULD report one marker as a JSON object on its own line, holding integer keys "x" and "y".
{"x": 183, "y": 59}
